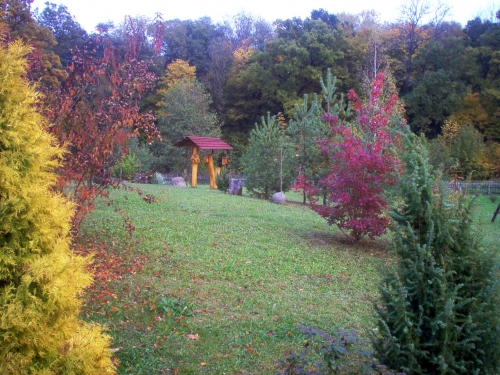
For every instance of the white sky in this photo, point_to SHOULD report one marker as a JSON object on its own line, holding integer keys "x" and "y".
{"x": 90, "y": 12}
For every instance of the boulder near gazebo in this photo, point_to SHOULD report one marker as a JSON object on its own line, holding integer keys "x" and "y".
{"x": 203, "y": 143}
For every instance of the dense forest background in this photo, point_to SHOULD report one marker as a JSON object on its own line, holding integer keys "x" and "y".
{"x": 195, "y": 77}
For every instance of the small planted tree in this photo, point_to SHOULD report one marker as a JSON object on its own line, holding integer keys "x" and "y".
{"x": 268, "y": 160}
{"x": 439, "y": 306}
{"x": 41, "y": 280}
{"x": 305, "y": 129}
{"x": 363, "y": 165}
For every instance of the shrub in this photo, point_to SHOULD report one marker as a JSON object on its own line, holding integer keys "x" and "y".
{"x": 439, "y": 305}
{"x": 41, "y": 280}
{"x": 338, "y": 352}
{"x": 159, "y": 179}
{"x": 222, "y": 180}
{"x": 126, "y": 168}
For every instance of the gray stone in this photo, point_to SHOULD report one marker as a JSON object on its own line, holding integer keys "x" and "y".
{"x": 178, "y": 181}
{"x": 278, "y": 198}
{"x": 235, "y": 186}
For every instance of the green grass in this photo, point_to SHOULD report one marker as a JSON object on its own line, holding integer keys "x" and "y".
{"x": 489, "y": 232}
{"x": 213, "y": 283}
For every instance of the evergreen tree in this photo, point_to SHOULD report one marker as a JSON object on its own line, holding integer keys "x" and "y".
{"x": 305, "y": 130}
{"x": 41, "y": 280}
{"x": 439, "y": 306}
{"x": 267, "y": 146}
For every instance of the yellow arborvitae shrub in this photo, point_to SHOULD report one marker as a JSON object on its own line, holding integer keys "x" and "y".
{"x": 41, "y": 280}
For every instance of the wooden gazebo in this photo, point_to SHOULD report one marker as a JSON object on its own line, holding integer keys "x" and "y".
{"x": 203, "y": 143}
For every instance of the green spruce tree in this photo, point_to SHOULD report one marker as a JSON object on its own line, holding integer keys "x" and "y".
{"x": 439, "y": 309}
{"x": 41, "y": 280}
{"x": 305, "y": 129}
{"x": 269, "y": 164}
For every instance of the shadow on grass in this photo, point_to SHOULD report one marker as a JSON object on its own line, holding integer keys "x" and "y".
{"x": 365, "y": 247}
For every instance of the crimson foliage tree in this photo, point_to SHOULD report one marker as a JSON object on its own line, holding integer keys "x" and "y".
{"x": 364, "y": 164}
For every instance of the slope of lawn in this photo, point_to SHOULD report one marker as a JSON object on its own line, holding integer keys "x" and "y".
{"x": 202, "y": 282}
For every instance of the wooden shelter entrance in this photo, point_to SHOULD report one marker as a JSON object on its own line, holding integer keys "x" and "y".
{"x": 203, "y": 143}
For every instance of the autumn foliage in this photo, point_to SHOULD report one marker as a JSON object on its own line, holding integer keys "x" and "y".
{"x": 95, "y": 112}
{"x": 41, "y": 280}
{"x": 363, "y": 165}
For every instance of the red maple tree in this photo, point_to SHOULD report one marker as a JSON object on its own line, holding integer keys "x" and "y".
{"x": 364, "y": 164}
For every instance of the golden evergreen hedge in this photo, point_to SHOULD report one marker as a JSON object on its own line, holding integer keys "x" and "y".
{"x": 41, "y": 280}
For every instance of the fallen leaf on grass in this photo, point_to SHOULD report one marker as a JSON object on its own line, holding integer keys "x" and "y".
{"x": 202, "y": 310}
{"x": 193, "y": 337}
{"x": 203, "y": 364}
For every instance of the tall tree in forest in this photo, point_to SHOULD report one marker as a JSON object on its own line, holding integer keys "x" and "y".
{"x": 367, "y": 38}
{"x": 240, "y": 106}
{"x": 440, "y": 73}
{"x": 184, "y": 110}
{"x": 417, "y": 24}
{"x": 41, "y": 279}
{"x": 45, "y": 65}
{"x": 289, "y": 67}
{"x": 484, "y": 37}
{"x": 409, "y": 35}
{"x": 190, "y": 40}
{"x": 221, "y": 59}
{"x": 68, "y": 33}
{"x": 177, "y": 71}
{"x": 244, "y": 30}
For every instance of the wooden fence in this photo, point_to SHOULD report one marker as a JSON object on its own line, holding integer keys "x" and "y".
{"x": 476, "y": 187}
{"x": 203, "y": 178}
{"x": 467, "y": 187}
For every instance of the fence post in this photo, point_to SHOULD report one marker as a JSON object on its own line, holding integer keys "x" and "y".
{"x": 495, "y": 214}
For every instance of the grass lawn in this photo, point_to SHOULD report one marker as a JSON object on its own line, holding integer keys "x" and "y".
{"x": 204, "y": 282}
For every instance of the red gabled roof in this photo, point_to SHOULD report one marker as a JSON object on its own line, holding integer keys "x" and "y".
{"x": 204, "y": 143}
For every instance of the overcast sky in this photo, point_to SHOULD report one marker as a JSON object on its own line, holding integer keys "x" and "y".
{"x": 90, "y": 12}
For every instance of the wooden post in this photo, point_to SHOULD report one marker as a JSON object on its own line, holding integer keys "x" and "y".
{"x": 195, "y": 160}
{"x": 209, "y": 159}
{"x": 495, "y": 214}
